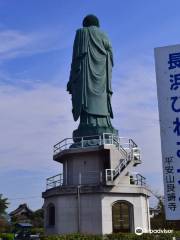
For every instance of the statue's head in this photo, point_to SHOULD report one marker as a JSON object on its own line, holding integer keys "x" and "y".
{"x": 90, "y": 20}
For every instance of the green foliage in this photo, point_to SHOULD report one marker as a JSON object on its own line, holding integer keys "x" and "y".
{"x": 160, "y": 222}
{"x": 37, "y": 218}
{"x": 74, "y": 236}
{"x": 37, "y": 231}
{"x": 115, "y": 236}
{"x": 4, "y": 225}
{"x": 3, "y": 205}
{"x": 122, "y": 236}
{"x": 39, "y": 213}
{"x": 7, "y": 236}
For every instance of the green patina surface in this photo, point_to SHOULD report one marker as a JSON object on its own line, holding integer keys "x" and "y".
{"x": 90, "y": 82}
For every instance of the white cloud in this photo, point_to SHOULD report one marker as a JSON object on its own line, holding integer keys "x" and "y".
{"x": 31, "y": 122}
{"x": 10, "y": 40}
{"x": 136, "y": 113}
{"x": 15, "y": 43}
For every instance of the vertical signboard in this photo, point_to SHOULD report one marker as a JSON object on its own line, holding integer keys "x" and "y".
{"x": 167, "y": 61}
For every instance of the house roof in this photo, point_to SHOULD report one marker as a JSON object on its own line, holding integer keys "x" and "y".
{"x": 22, "y": 208}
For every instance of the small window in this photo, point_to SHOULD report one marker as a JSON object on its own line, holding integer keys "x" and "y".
{"x": 51, "y": 214}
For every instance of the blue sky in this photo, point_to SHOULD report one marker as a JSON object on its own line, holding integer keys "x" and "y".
{"x": 36, "y": 39}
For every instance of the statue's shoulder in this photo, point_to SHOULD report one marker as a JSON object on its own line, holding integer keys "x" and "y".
{"x": 95, "y": 31}
{"x": 98, "y": 31}
{"x": 104, "y": 35}
{"x": 82, "y": 30}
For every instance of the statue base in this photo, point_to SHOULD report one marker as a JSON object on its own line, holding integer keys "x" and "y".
{"x": 92, "y": 132}
{"x": 89, "y": 201}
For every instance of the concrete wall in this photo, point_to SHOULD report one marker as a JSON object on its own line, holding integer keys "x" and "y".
{"x": 91, "y": 214}
{"x": 66, "y": 217}
{"x": 115, "y": 156}
{"x": 95, "y": 213}
{"x": 89, "y": 164}
{"x": 65, "y": 214}
{"x": 141, "y": 216}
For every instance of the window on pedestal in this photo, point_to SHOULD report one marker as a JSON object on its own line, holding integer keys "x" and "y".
{"x": 122, "y": 216}
{"x": 51, "y": 215}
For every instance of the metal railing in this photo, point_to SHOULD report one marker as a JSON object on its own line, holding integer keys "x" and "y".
{"x": 94, "y": 177}
{"x": 135, "y": 154}
{"x": 111, "y": 174}
{"x": 122, "y": 143}
{"x": 54, "y": 181}
{"x": 85, "y": 178}
{"x": 127, "y": 147}
{"x": 137, "y": 179}
{"x": 132, "y": 154}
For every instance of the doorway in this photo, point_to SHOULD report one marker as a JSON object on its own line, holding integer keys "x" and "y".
{"x": 122, "y": 217}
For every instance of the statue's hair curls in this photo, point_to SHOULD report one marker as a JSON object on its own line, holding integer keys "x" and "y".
{"x": 90, "y": 20}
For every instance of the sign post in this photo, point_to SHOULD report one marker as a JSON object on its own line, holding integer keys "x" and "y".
{"x": 167, "y": 61}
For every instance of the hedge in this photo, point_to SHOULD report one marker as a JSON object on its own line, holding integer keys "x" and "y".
{"x": 115, "y": 236}
{"x": 118, "y": 236}
{"x": 75, "y": 236}
{"x": 144, "y": 236}
{"x": 7, "y": 236}
{"x": 37, "y": 230}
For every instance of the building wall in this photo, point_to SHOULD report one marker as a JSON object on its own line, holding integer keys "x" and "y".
{"x": 141, "y": 214}
{"x": 91, "y": 214}
{"x": 66, "y": 214}
{"x": 95, "y": 213}
{"x": 88, "y": 164}
{"x": 115, "y": 156}
{"x": 96, "y": 207}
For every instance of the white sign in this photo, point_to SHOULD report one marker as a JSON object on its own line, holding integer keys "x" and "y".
{"x": 167, "y": 60}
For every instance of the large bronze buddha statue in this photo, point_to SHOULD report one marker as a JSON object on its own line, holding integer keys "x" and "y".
{"x": 90, "y": 80}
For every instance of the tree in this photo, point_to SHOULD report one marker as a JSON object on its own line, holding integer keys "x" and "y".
{"x": 4, "y": 225}
{"x": 159, "y": 221}
{"x": 38, "y": 218}
{"x": 3, "y": 205}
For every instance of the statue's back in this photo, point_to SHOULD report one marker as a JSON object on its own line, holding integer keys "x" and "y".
{"x": 90, "y": 78}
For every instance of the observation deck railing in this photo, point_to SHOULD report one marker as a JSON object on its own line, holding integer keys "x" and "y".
{"x": 54, "y": 181}
{"x": 91, "y": 178}
{"x": 138, "y": 179}
{"x": 128, "y": 148}
{"x": 122, "y": 143}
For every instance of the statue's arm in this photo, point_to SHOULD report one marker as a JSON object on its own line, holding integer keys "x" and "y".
{"x": 108, "y": 47}
{"x": 111, "y": 54}
{"x": 69, "y": 84}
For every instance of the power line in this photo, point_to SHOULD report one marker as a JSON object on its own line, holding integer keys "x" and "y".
{"x": 23, "y": 198}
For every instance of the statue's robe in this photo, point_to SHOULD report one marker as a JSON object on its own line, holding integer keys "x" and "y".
{"x": 90, "y": 76}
